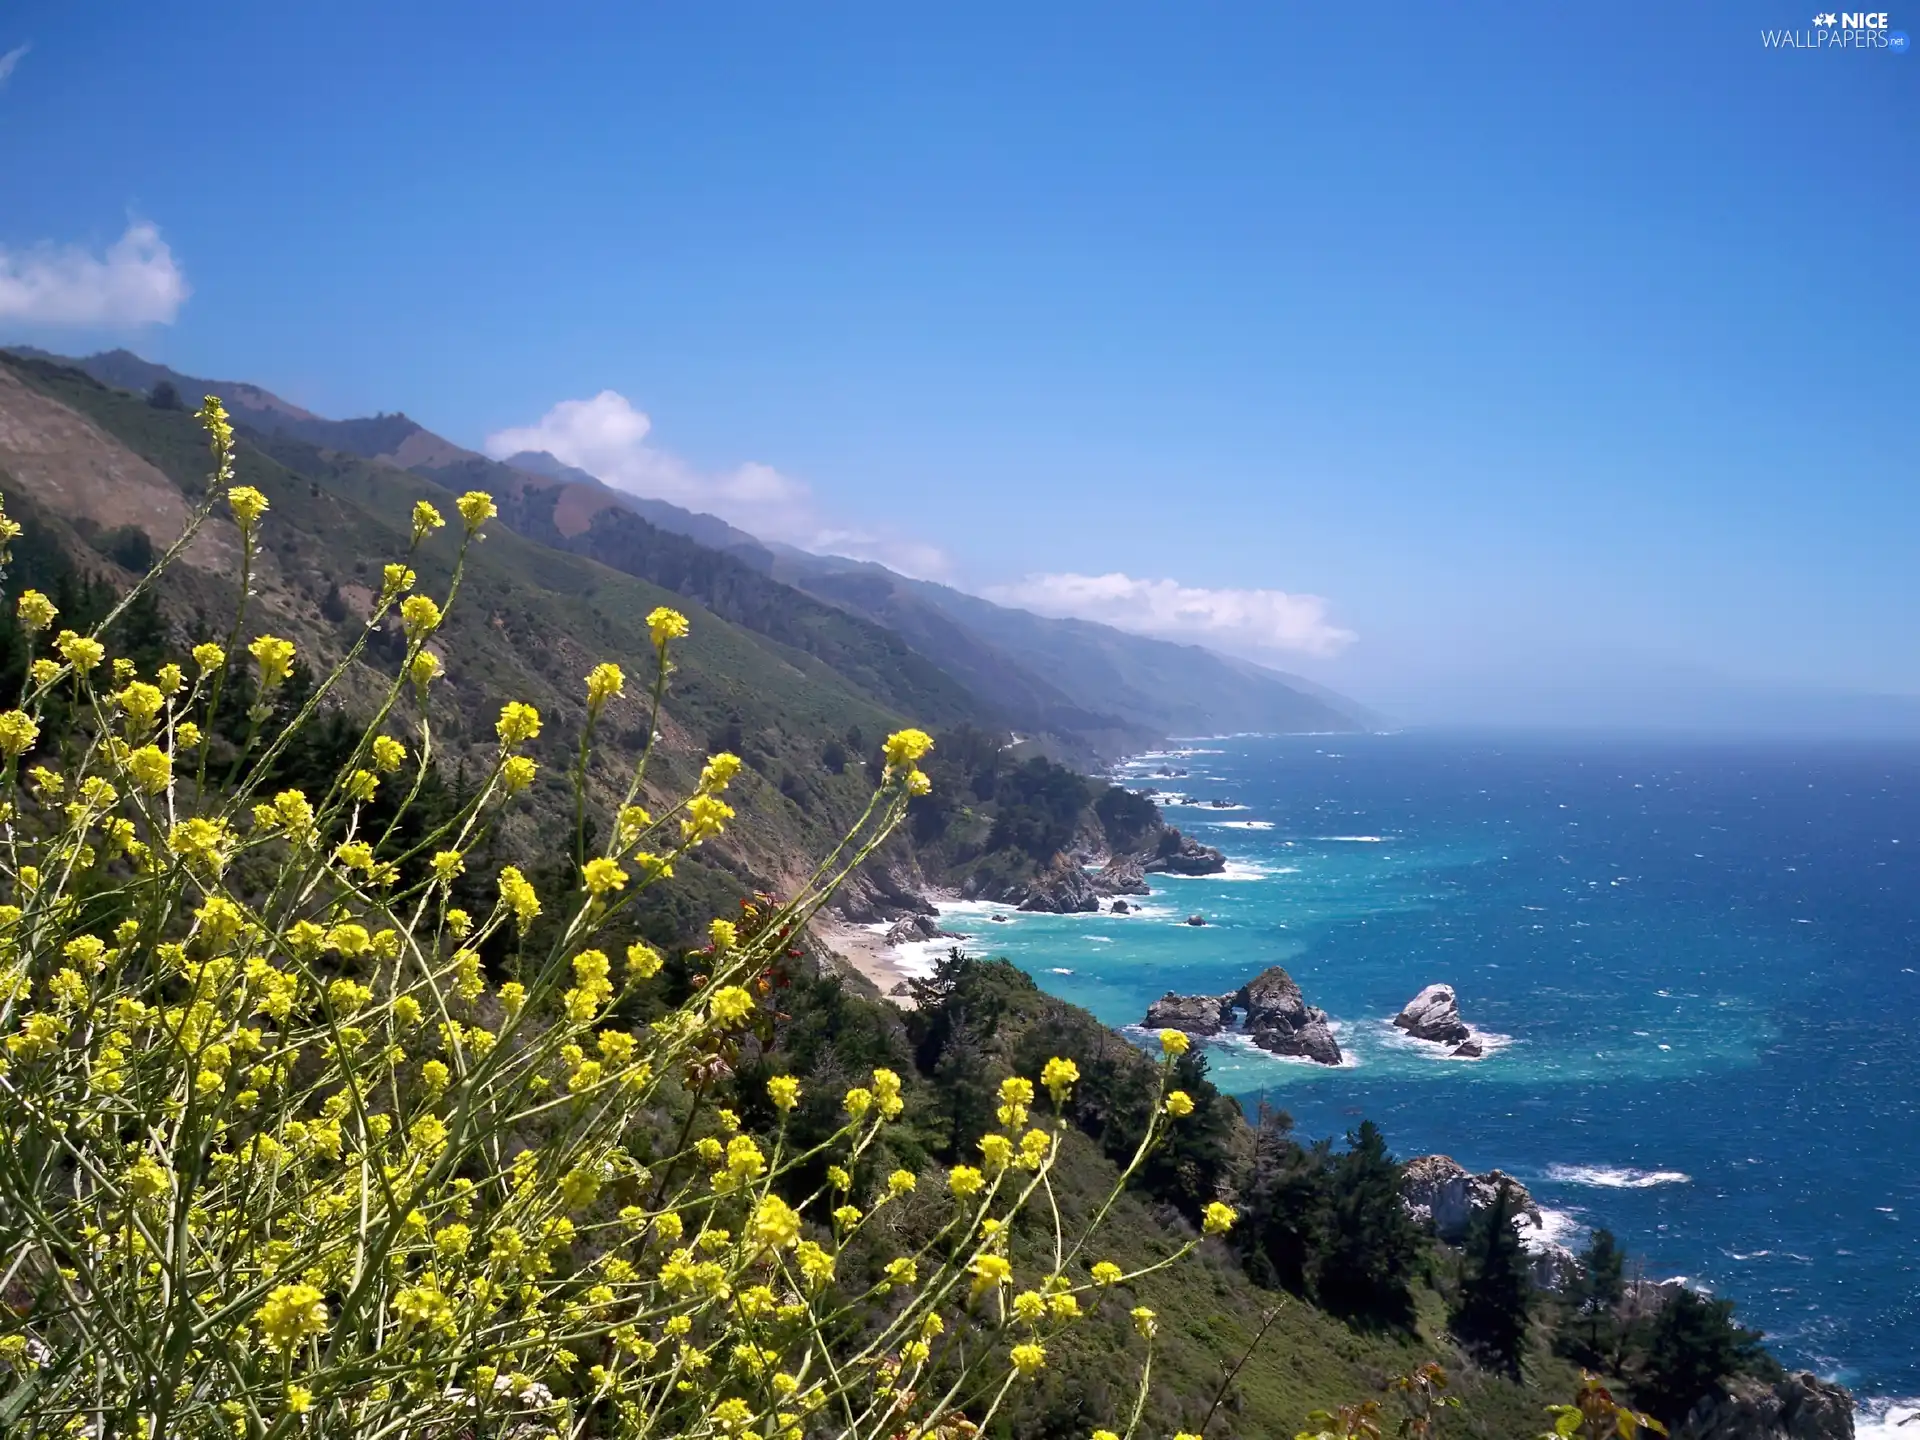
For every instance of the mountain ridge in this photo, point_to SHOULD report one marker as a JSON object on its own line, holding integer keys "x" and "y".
{"x": 1077, "y": 689}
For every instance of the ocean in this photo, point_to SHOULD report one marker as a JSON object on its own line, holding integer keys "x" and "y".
{"x": 1695, "y": 967}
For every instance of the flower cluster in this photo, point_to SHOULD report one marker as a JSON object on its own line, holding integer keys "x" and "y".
{"x": 298, "y": 1143}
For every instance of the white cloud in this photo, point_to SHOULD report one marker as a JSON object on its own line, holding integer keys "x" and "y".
{"x": 10, "y": 60}
{"x": 135, "y": 282}
{"x": 1243, "y": 620}
{"x": 606, "y": 437}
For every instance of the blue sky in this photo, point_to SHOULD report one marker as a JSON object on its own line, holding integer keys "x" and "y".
{"x": 1548, "y": 346}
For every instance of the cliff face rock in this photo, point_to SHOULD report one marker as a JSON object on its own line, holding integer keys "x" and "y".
{"x": 1277, "y": 1017}
{"x": 1439, "y": 1190}
{"x": 1434, "y": 1014}
{"x": 1177, "y": 854}
{"x": 1063, "y": 888}
{"x": 1122, "y": 875}
{"x": 880, "y": 892}
{"x": 1800, "y": 1407}
{"x": 1195, "y": 1014}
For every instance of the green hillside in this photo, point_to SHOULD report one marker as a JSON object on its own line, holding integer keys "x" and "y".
{"x": 532, "y": 622}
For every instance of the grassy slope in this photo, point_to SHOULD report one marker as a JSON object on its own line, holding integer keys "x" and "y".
{"x": 528, "y": 625}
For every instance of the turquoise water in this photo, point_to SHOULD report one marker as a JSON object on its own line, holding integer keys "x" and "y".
{"x": 1694, "y": 965}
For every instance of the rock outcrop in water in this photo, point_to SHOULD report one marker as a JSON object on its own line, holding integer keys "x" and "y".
{"x": 1797, "y": 1407}
{"x": 1275, "y": 1015}
{"x": 1195, "y": 1014}
{"x": 1177, "y": 854}
{"x": 1440, "y": 1191}
{"x": 1434, "y": 1014}
{"x": 1063, "y": 888}
{"x": 1280, "y": 1020}
{"x": 918, "y": 927}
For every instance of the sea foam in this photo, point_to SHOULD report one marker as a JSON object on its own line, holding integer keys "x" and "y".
{"x": 1886, "y": 1418}
{"x": 1616, "y": 1177}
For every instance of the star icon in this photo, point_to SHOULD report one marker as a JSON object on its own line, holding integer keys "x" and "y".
{"x": 1826, "y": 18}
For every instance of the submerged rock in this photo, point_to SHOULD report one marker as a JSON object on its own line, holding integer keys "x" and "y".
{"x": 1796, "y": 1407}
{"x": 1120, "y": 907}
{"x": 1196, "y": 919}
{"x": 1467, "y": 1050}
{"x": 1434, "y": 1014}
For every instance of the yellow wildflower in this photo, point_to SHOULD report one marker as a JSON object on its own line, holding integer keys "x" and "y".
{"x": 79, "y": 651}
{"x": 729, "y": 1005}
{"x": 664, "y": 625}
{"x": 425, "y": 518}
{"x": 776, "y": 1225}
{"x": 717, "y": 772}
{"x": 1219, "y": 1218}
{"x": 1179, "y": 1104}
{"x": 420, "y": 615}
{"x": 151, "y": 768}
{"x": 601, "y": 875}
{"x": 1058, "y": 1076}
{"x": 518, "y": 722}
{"x": 18, "y": 731}
{"x": 292, "y": 1313}
{"x": 903, "y": 747}
{"x": 247, "y": 504}
{"x": 1174, "y": 1042}
{"x": 784, "y": 1091}
{"x": 476, "y": 507}
{"x": 604, "y": 682}
{"x": 274, "y": 656}
{"x": 35, "y": 610}
{"x": 1028, "y": 1360}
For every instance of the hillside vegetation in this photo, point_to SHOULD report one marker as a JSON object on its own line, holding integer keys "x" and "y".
{"x": 1321, "y": 1291}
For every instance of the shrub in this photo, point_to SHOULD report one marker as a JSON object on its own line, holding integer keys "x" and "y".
{"x": 282, "y": 1154}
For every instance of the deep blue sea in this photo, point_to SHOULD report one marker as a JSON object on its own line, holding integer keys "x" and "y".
{"x": 1697, "y": 964}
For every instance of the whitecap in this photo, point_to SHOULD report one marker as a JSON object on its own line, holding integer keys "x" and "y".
{"x": 1351, "y": 839}
{"x": 1556, "y": 1227}
{"x": 1100, "y": 939}
{"x": 1059, "y": 970}
{"x": 1394, "y": 1038}
{"x": 1883, "y": 1417}
{"x": 1243, "y": 824}
{"x": 1616, "y": 1177}
{"x": 1236, "y": 870}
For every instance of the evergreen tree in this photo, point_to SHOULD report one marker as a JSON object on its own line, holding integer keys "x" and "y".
{"x": 1372, "y": 1247}
{"x": 1692, "y": 1347}
{"x": 1283, "y": 1222}
{"x": 1592, "y": 1299}
{"x": 1490, "y": 1315}
{"x": 165, "y": 396}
